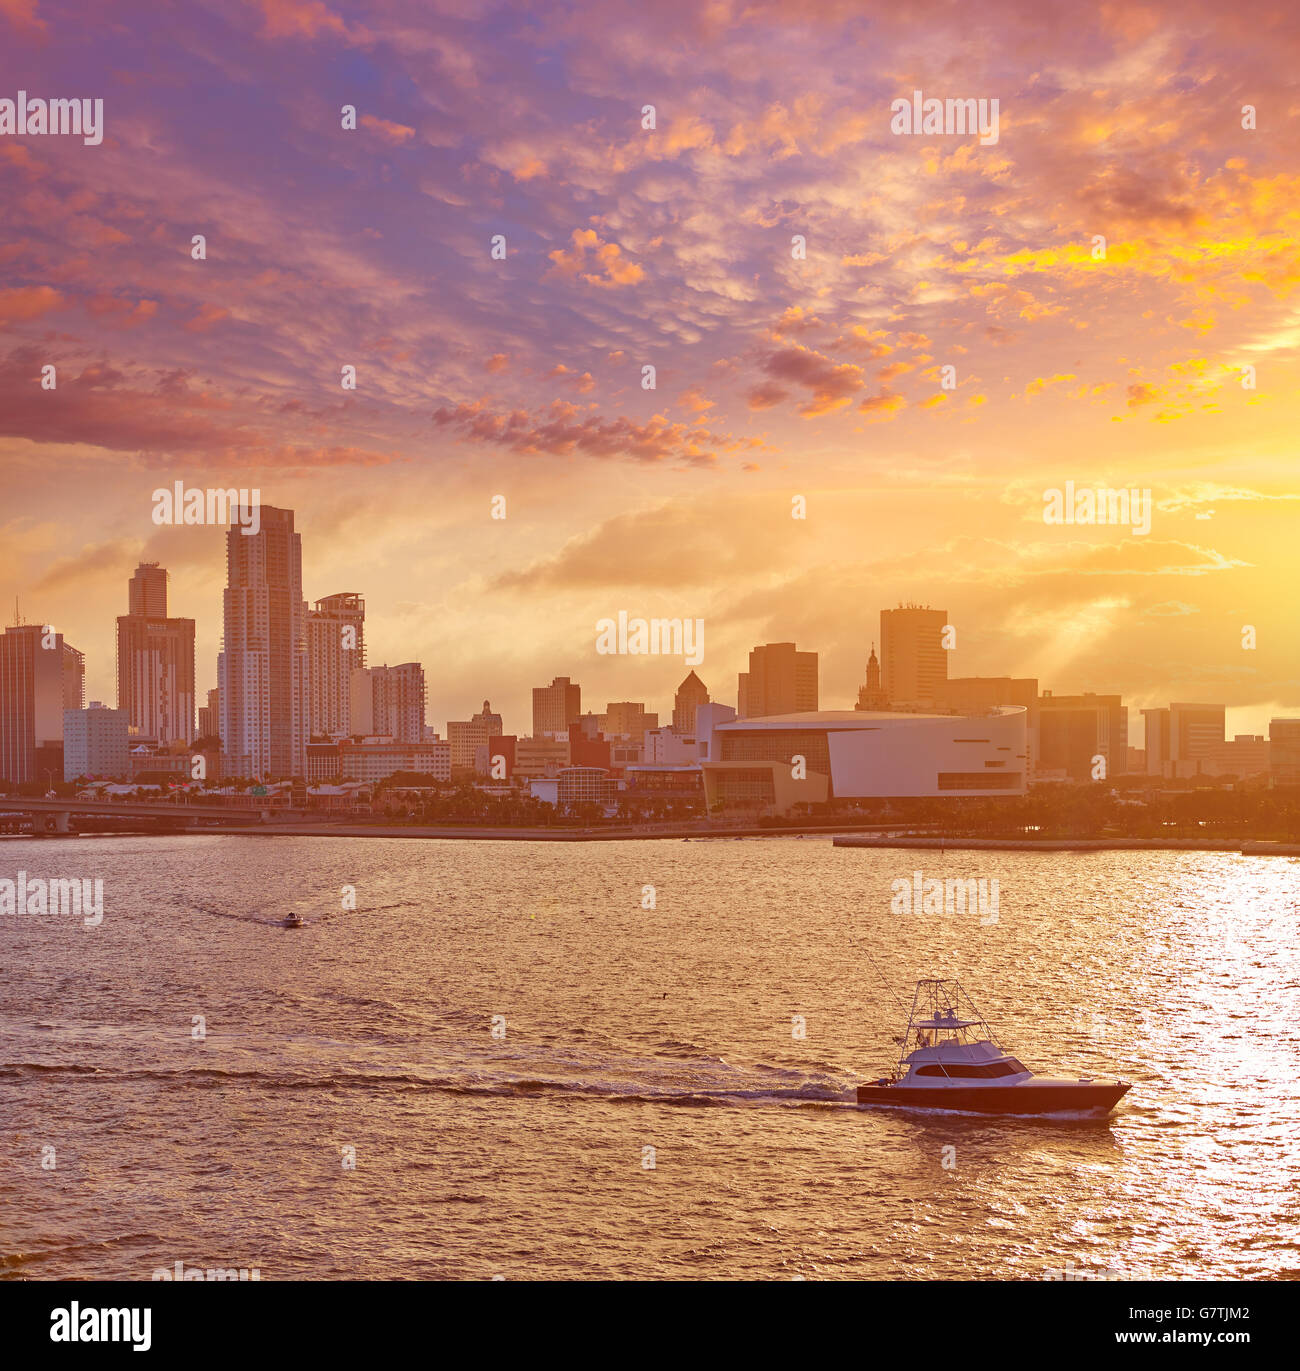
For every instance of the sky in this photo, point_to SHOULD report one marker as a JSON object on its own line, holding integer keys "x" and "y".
{"x": 1112, "y": 284}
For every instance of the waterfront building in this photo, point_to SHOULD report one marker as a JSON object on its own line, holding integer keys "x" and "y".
{"x": 95, "y": 743}
{"x": 262, "y": 669}
{"x": 336, "y": 646}
{"x": 41, "y": 676}
{"x": 155, "y": 661}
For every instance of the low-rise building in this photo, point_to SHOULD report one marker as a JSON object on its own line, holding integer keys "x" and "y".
{"x": 375, "y": 761}
{"x": 95, "y": 743}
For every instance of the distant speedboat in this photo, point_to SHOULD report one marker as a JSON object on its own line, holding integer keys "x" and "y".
{"x": 293, "y": 921}
{"x": 951, "y": 1060}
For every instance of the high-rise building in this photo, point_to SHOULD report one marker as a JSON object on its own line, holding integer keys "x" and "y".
{"x": 691, "y": 694}
{"x": 40, "y": 677}
{"x": 1284, "y": 751}
{"x": 627, "y": 719}
{"x": 1075, "y": 729}
{"x": 556, "y": 706}
{"x": 872, "y": 696}
{"x": 210, "y": 716}
{"x": 1156, "y": 749}
{"x": 95, "y": 743}
{"x": 1181, "y": 738}
{"x": 147, "y": 591}
{"x": 780, "y": 680}
{"x": 335, "y": 648}
{"x": 916, "y": 662}
{"x": 155, "y": 662}
{"x": 466, "y": 736}
{"x": 262, "y": 669}
{"x": 388, "y": 702}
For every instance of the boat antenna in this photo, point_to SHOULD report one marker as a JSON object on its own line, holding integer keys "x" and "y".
{"x": 862, "y": 946}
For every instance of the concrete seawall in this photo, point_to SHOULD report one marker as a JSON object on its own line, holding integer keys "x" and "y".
{"x": 1249, "y": 848}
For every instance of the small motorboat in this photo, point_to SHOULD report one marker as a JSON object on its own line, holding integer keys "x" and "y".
{"x": 293, "y": 921}
{"x": 951, "y": 1060}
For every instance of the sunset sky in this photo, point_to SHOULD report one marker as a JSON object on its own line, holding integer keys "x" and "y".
{"x": 669, "y": 247}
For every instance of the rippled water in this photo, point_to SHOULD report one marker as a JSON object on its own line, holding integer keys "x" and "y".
{"x": 625, "y": 1029}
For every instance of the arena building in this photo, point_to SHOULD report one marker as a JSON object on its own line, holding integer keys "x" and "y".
{"x": 754, "y": 764}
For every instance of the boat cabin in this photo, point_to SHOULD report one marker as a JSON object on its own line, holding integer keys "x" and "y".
{"x": 944, "y": 1043}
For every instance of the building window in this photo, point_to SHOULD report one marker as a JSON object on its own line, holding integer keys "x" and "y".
{"x": 978, "y": 780}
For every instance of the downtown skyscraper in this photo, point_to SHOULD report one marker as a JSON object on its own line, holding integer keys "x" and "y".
{"x": 262, "y": 670}
{"x": 915, "y": 660}
{"x": 780, "y": 680}
{"x": 40, "y": 677}
{"x": 155, "y": 662}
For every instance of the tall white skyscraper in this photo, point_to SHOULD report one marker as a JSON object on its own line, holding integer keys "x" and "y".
{"x": 336, "y": 646}
{"x": 262, "y": 670}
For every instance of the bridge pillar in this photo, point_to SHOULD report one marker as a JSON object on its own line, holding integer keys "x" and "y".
{"x": 59, "y": 822}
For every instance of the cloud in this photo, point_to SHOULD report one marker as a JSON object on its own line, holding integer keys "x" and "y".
{"x": 611, "y": 269}
{"x": 28, "y": 302}
{"x": 561, "y": 430}
{"x": 832, "y": 383}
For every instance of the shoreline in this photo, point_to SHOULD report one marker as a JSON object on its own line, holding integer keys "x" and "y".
{"x": 842, "y": 835}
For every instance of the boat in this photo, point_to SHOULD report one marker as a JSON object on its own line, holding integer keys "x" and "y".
{"x": 293, "y": 921}
{"x": 950, "y": 1059}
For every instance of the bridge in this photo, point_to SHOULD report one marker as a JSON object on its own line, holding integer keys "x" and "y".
{"x": 57, "y": 813}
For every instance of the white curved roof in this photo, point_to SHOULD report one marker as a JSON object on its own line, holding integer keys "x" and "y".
{"x": 855, "y": 718}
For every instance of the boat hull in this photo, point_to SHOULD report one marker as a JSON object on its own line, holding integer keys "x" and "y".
{"x": 1056, "y": 1097}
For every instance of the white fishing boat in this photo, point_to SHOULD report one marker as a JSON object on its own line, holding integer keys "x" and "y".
{"x": 950, "y": 1059}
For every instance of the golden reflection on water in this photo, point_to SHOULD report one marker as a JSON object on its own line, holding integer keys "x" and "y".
{"x": 627, "y": 1029}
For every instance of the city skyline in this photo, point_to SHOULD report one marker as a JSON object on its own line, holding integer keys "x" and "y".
{"x": 325, "y": 607}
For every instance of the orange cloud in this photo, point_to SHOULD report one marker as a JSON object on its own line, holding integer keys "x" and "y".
{"x": 616, "y": 270}
{"x": 394, "y": 133}
{"x": 28, "y": 302}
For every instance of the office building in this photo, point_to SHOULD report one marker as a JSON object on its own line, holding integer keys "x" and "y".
{"x": 467, "y": 736}
{"x": 95, "y": 744}
{"x": 556, "y": 707}
{"x": 690, "y": 695}
{"x": 1074, "y": 730}
{"x": 41, "y": 676}
{"x": 1284, "y": 751}
{"x": 780, "y": 680}
{"x": 915, "y": 660}
{"x": 627, "y": 719}
{"x": 155, "y": 662}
